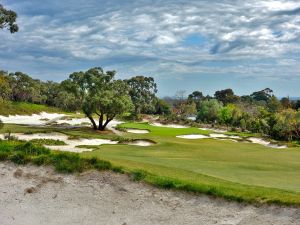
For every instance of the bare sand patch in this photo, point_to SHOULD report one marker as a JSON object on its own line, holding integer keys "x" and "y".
{"x": 108, "y": 198}
{"x": 34, "y": 119}
{"x": 143, "y": 143}
{"x": 156, "y": 124}
{"x": 137, "y": 131}
{"x": 192, "y": 136}
{"x": 213, "y": 129}
{"x": 265, "y": 143}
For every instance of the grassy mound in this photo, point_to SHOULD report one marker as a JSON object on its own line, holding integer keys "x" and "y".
{"x": 23, "y": 108}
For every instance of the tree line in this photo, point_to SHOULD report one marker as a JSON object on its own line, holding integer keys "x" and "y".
{"x": 99, "y": 94}
{"x": 259, "y": 112}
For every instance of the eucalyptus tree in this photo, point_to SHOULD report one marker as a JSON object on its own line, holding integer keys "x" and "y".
{"x": 8, "y": 20}
{"x": 100, "y": 94}
{"x": 142, "y": 91}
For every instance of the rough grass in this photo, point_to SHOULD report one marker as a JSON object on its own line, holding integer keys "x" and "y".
{"x": 64, "y": 162}
{"x": 23, "y": 108}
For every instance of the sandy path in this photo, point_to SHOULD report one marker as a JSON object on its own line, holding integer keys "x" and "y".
{"x": 37, "y": 196}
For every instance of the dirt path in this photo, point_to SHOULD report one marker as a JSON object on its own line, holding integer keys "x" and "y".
{"x": 37, "y": 196}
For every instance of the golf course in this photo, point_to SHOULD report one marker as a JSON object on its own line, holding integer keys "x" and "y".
{"x": 234, "y": 169}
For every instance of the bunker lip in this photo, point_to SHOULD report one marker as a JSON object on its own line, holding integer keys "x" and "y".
{"x": 193, "y": 136}
{"x": 137, "y": 131}
{"x": 140, "y": 142}
{"x": 156, "y": 124}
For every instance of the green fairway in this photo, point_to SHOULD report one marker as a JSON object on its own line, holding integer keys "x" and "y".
{"x": 247, "y": 170}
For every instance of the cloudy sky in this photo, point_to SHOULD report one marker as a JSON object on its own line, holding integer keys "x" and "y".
{"x": 203, "y": 45}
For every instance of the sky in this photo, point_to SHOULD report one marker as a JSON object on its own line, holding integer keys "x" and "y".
{"x": 204, "y": 45}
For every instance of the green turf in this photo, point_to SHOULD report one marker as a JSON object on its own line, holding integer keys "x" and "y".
{"x": 250, "y": 171}
{"x": 23, "y": 108}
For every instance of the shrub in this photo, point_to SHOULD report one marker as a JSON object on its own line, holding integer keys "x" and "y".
{"x": 164, "y": 183}
{"x": 102, "y": 165}
{"x": 19, "y": 158}
{"x": 67, "y": 162}
{"x": 138, "y": 175}
{"x": 118, "y": 169}
{"x": 4, "y": 156}
{"x": 40, "y": 160}
{"x": 30, "y": 149}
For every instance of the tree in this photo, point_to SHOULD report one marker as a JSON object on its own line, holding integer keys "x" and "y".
{"x": 209, "y": 110}
{"x": 273, "y": 104}
{"x": 286, "y": 103}
{"x": 5, "y": 90}
{"x": 142, "y": 91}
{"x": 226, "y": 114}
{"x": 162, "y": 108}
{"x": 24, "y": 88}
{"x": 8, "y": 20}
{"x": 226, "y": 96}
{"x": 263, "y": 95}
{"x": 196, "y": 97}
{"x": 100, "y": 94}
{"x": 287, "y": 125}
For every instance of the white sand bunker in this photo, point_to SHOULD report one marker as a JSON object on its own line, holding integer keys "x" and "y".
{"x": 265, "y": 143}
{"x": 71, "y": 144}
{"x": 213, "y": 129}
{"x": 168, "y": 125}
{"x": 143, "y": 143}
{"x": 34, "y": 119}
{"x": 218, "y": 135}
{"x": 137, "y": 131}
{"x": 192, "y": 136}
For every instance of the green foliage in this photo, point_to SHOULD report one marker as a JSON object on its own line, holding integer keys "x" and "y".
{"x": 209, "y": 111}
{"x": 142, "y": 91}
{"x": 162, "y": 108}
{"x": 8, "y": 20}
{"x": 1, "y": 124}
{"x": 138, "y": 175}
{"x": 50, "y": 142}
{"x": 30, "y": 149}
{"x": 19, "y": 158}
{"x": 226, "y": 96}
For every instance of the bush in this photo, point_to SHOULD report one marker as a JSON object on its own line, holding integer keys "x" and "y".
{"x": 102, "y": 165}
{"x": 164, "y": 183}
{"x": 19, "y": 158}
{"x": 118, "y": 169}
{"x": 40, "y": 160}
{"x": 4, "y": 156}
{"x": 30, "y": 149}
{"x": 138, "y": 175}
{"x": 67, "y": 162}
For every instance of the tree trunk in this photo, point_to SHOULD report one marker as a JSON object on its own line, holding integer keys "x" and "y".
{"x": 100, "y": 122}
{"x": 105, "y": 124}
{"x": 93, "y": 122}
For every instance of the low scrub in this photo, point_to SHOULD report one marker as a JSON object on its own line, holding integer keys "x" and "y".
{"x": 64, "y": 162}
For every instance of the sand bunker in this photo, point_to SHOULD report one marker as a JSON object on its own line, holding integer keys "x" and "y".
{"x": 143, "y": 143}
{"x": 34, "y": 119}
{"x": 71, "y": 144}
{"x": 214, "y": 130}
{"x": 218, "y": 135}
{"x": 265, "y": 143}
{"x": 137, "y": 131}
{"x": 168, "y": 125}
{"x": 192, "y": 136}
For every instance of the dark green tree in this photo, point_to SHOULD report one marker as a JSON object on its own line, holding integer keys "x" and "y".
{"x": 226, "y": 96}
{"x": 142, "y": 91}
{"x": 100, "y": 94}
{"x": 8, "y": 20}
